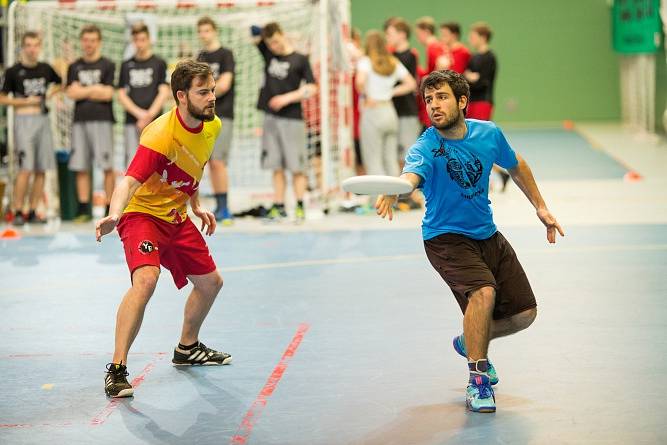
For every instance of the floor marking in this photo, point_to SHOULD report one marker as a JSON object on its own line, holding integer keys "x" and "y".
{"x": 81, "y": 354}
{"x": 367, "y": 259}
{"x": 34, "y": 425}
{"x": 323, "y": 262}
{"x": 252, "y": 416}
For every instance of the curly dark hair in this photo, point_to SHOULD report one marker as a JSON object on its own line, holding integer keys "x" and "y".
{"x": 456, "y": 82}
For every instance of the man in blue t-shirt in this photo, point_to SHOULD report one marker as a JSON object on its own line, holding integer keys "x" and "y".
{"x": 451, "y": 162}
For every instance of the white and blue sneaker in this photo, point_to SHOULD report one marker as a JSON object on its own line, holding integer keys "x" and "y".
{"x": 479, "y": 394}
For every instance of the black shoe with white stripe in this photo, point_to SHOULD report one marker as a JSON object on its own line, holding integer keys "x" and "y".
{"x": 200, "y": 355}
{"x": 115, "y": 381}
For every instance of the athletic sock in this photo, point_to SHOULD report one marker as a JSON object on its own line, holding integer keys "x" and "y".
{"x": 84, "y": 208}
{"x": 478, "y": 365}
{"x": 187, "y": 348}
{"x": 299, "y": 203}
{"x": 221, "y": 201}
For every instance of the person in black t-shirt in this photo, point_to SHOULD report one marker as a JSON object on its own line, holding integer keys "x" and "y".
{"x": 221, "y": 61}
{"x": 288, "y": 79}
{"x": 28, "y": 82}
{"x": 481, "y": 75}
{"x": 90, "y": 82}
{"x": 142, "y": 88}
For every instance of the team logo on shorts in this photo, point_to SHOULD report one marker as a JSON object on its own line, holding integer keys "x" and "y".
{"x": 146, "y": 247}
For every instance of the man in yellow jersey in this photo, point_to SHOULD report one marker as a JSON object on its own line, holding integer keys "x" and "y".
{"x": 149, "y": 208}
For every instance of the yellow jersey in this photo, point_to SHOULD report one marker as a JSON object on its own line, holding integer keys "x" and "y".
{"x": 169, "y": 163}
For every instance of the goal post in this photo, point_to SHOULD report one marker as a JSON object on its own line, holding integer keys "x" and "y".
{"x": 317, "y": 28}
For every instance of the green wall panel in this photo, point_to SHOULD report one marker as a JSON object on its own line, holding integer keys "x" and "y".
{"x": 555, "y": 58}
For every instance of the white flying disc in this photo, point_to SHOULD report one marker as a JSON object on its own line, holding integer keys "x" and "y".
{"x": 376, "y": 185}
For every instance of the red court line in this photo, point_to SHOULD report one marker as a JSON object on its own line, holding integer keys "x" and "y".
{"x": 251, "y": 417}
{"x": 103, "y": 415}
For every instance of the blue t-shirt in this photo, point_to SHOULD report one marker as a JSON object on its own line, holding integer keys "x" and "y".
{"x": 455, "y": 178}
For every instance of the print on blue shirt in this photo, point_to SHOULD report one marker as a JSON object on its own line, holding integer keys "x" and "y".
{"x": 465, "y": 172}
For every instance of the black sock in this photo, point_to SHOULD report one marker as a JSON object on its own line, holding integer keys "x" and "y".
{"x": 187, "y": 348}
{"x": 279, "y": 206}
{"x": 299, "y": 203}
{"x": 84, "y": 208}
{"x": 107, "y": 209}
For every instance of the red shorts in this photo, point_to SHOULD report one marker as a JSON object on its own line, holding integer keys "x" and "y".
{"x": 481, "y": 110}
{"x": 150, "y": 241}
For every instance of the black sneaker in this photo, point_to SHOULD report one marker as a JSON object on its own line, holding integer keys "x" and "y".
{"x": 19, "y": 219}
{"x": 200, "y": 355}
{"x": 34, "y": 218}
{"x": 115, "y": 381}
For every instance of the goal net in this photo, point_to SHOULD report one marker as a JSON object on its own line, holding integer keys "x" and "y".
{"x": 315, "y": 28}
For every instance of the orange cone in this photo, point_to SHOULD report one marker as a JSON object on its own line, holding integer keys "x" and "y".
{"x": 10, "y": 233}
{"x": 632, "y": 176}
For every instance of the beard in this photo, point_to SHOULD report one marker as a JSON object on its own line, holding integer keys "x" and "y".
{"x": 205, "y": 114}
{"x": 450, "y": 122}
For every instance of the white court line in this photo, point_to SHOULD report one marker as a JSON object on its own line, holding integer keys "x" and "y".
{"x": 554, "y": 249}
{"x": 324, "y": 262}
{"x": 601, "y": 248}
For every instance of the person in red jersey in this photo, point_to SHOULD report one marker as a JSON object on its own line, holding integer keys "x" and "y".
{"x": 149, "y": 206}
{"x": 436, "y": 58}
{"x": 481, "y": 75}
{"x": 459, "y": 54}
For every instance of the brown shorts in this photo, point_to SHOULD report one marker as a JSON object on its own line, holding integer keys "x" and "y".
{"x": 467, "y": 265}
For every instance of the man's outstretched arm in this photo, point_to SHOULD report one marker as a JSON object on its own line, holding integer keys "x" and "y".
{"x": 524, "y": 179}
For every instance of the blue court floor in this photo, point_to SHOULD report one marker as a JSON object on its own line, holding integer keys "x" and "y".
{"x": 369, "y": 323}
{"x": 341, "y": 331}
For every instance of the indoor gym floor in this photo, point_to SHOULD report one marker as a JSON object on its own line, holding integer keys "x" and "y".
{"x": 341, "y": 331}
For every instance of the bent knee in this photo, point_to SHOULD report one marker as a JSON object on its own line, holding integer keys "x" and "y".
{"x": 211, "y": 284}
{"x": 145, "y": 279}
{"x": 524, "y": 319}
{"x": 485, "y": 295}
{"x": 218, "y": 282}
